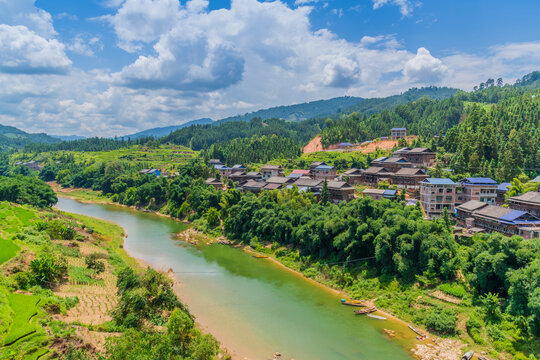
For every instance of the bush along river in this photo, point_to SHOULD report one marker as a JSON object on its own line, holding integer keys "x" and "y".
{"x": 254, "y": 307}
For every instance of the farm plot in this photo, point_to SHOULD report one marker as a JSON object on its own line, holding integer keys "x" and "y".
{"x": 7, "y": 250}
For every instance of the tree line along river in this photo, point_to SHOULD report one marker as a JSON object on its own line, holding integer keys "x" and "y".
{"x": 254, "y": 307}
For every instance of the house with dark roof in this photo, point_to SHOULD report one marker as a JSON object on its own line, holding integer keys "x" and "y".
{"x": 340, "y": 191}
{"x": 353, "y": 176}
{"x": 409, "y": 178}
{"x": 314, "y": 164}
{"x": 420, "y": 157}
{"x": 253, "y": 175}
{"x": 492, "y": 218}
{"x": 324, "y": 172}
{"x": 501, "y": 192}
{"x": 483, "y": 189}
{"x": 214, "y": 162}
{"x": 530, "y": 202}
{"x": 224, "y": 170}
{"x": 268, "y": 171}
{"x": 253, "y": 186}
{"x": 398, "y": 133}
{"x": 374, "y": 174}
{"x": 296, "y": 173}
{"x": 437, "y": 194}
{"x": 215, "y": 183}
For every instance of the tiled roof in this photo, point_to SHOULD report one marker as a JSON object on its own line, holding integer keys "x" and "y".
{"x": 271, "y": 167}
{"x": 374, "y": 170}
{"x": 531, "y": 196}
{"x": 390, "y": 192}
{"x": 308, "y": 182}
{"x": 254, "y": 184}
{"x": 472, "y": 205}
{"x": 409, "y": 172}
{"x": 504, "y": 186}
{"x": 395, "y": 159}
{"x": 438, "y": 181}
{"x": 273, "y": 186}
{"x": 373, "y": 191}
{"x": 333, "y": 184}
{"x": 493, "y": 211}
{"x": 403, "y": 150}
{"x": 238, "y": 166}
{"x": 420, "y": 150}
{"x": 278, "y": 180}
{"x": 382, "y": 158}
{"x": 253, "y": 173}
{"x": 399, "y": 128}
{"x": 324, "y": 167}
{"x": 353, "y": 171}
{"x": 300, "y": 171}
{"x": 479, "y": 181}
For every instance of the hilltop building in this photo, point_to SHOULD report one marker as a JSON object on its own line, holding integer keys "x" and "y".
{"x": 398, "y": 133}
{"x": 268, "y": 171}
{"x": 481, "y": 189}
{"x": 437, "y": 194}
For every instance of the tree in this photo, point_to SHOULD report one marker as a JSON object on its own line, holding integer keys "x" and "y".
{"x": 48, "y": 269}
{"x": 325, "y": 193}
{"x": 212, "y": 217}
{"x": 179, "y": 329}
{"x": 492, "y": 306}
{"x": 499, "y": 82}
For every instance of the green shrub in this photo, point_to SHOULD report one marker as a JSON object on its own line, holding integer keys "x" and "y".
{"x": 441, "y": 320}
{"x": 48, "y": 269}
{"x": 93, "y": 263}
{"x": 456, "y": 290}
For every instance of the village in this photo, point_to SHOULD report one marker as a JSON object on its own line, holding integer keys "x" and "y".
{"x": 477, "y": 203}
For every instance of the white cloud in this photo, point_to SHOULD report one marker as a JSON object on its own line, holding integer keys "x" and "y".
{"x": 85, "y": 45}
{"x": 24, "y": 52}
{"x": 406, "y": 7}
{"x": 424, "y": 68}
{"x": 23, "y": 12}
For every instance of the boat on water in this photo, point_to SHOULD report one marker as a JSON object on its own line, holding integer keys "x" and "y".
{"x": 468, "y": 355}
{"x": 260, "y": 256}
{"x": 417, "y": 331}
{"x": 373, "y": 316}
{"x": 365, "y": 311}
{"x": 352, "y": 303}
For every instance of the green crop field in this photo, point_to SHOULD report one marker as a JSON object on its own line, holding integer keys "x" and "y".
{"x": 7, "y": 250}
{"x": 24, "y": 308}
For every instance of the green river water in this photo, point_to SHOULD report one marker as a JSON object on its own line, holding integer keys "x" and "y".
{"x": 253, "y": 306}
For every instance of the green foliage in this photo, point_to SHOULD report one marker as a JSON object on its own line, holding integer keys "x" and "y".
{"x": 24, "y": 308}
{"x": 83, "y": 276}
{"x": 26, "y": 190}
{"x": 474, "y": 328}
{"x": 442, "y": 321}
{"x": 7, "y": 250}
{"x": 456, "y": 290}
{"x": 92, "y": 262}
{"x": 492, "y": 306}
{"x": 212, "y": 217}
{"x": 48, "y": 268}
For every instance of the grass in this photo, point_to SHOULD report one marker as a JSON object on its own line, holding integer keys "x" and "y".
{"x": 24, "y": 308}
{"x": 7, "y": 250}
{"x": 83, "y": 276}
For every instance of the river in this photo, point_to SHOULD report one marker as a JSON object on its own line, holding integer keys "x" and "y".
{"x": 254, "y": 307}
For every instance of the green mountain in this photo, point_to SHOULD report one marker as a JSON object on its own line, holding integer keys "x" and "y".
{"x": 13, "y": 138}
{"x": 303, "y": 111}
{"x": 164, "y": 131}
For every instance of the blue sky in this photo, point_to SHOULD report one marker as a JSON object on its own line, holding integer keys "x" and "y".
{"x": 111, "y": 67}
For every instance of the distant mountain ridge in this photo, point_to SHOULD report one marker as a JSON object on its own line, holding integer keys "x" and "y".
{"x": 302, "y": 111}
{"x": 13, "y": 138}
{"x": 68, "y": 137}
{"x": 164, "y": 131}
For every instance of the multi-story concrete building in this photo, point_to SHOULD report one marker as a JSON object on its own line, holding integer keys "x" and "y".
{"x": 398, "y": 133}
{"x": 481, "y": 189}
{"x": 437, "y": 194}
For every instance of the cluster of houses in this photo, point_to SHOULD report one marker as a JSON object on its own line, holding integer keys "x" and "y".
{"x": 32, "y": 165}
{"x": 476, "y": 202}
{"x": 271, "y": 177}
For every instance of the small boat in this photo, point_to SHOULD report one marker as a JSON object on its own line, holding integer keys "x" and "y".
{"x": 352, "y": 303}
{"x": 365, "y": 311}
{"x": 482, "y": 358}
{"x": 376, "y": 317}
{"x": 417, "y": 331}
{"x": 468, "y": 355}
{"x": 260, "y": 256}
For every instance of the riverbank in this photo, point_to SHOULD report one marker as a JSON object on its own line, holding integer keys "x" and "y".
{"x": 420, "y": 349}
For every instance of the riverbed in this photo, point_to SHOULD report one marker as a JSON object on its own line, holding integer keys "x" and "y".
{"x": 252, "y": 306}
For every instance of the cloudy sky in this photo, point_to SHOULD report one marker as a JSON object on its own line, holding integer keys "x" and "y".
{"x": 112, "y": 67}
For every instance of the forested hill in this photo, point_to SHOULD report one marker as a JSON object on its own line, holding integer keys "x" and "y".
{"x": 164, "y": 131}
{"x": 308, "y": 110}
{"x": 374, "y": 105}
{"x": 13, "y": 138}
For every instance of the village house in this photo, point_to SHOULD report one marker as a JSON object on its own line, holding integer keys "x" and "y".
{"x": 253, "y": 186}
{"x": 277, "y": 182}
{"x": 214, "y": 162}
{"x": 340, "y": 191}
{"x": 223, "y": 170}
{"x": 437, "y": 194}
{"x": 268, "y": 171}
{"x": 481, "y": 189}
{"x": 501, "y": 192}
{"x": 529, "y": 202}
{"x": 391, "y": 164}
{"x": 378, "y": 194}
{"x": 409, "y": 178}
{"x": 324, "y": 172}
{"x": 398, "y": 133}
{"x": 237, "y": 176}
{"x": 253, "y": 175}
{"x": 374, "y": 174}
{"x": 478, "y": 214}
{"x": 297, "y": 173}
{"x": 353, "y": 176}
{"x": 155, "y": 172}
{"x": 418, "y": 157}
{"x": 315, "y": 164}
{"x": 215, "y": 183}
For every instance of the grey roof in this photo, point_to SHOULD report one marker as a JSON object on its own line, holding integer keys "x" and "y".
{"x": 373, "y": 191}
{"x": 530, "y": 197}
{"x": 438, "y": 181}
{"x": 472, "y": 205}
{"x": 278, "y": 180}
{"x": 308, "y": 182}
{"x": 409, "y": 172}
{"x": 253, "y": 173}
{"x": 395, "y": 159}
{"x": 379, "y": 159}
{"x": 493, "y": 211}
{"x": 334, "y": 184}
{"x": 536, "y": 179}
{"x": 213, "y": 181}
{"x": 399, "y": 128}
{"x": 271, "y": 167}
{"x": 273, "y": 186}
{"x": 254, "y": 184}
{"x": 354, "y": 171}
{"x": 479, "y": 181}
{"x": 390, "y": 192}
{"x": 420, "y": 150}
{"x": 374, "y": 170}
{"x": 403, "y": 150}
{"x": 504, "y": 187}
{"x": 324, "y": 167}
